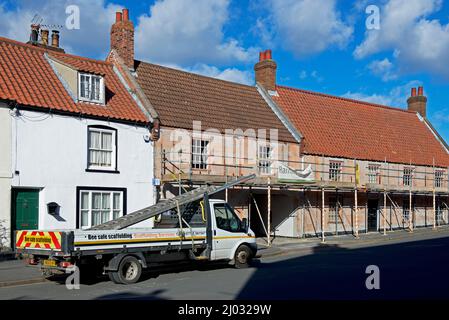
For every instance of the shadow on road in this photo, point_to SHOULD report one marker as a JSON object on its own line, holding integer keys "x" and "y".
{"x": 417, "y": 269}
{"x": 151, "y": 273}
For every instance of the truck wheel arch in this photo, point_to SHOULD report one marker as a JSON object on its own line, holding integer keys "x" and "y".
{"x": 114, "y": 263}
{"x": 234, "y": 250}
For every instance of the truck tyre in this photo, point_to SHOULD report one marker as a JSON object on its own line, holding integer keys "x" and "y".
{"x": 113, "y": 276}
{"x": 129, "y": 270}
{"x": 242, "y": 257}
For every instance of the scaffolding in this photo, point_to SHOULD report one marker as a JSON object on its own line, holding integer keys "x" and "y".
{"x": 385, "y": 180}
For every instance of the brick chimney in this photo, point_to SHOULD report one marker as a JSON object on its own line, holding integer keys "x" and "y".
{"x": 122, "y": 37}
{"x": 418, "y": 102}
{"x": 266, "y": 71}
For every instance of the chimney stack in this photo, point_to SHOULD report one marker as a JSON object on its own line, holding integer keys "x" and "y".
{"x": 266, "y": 71}
{"x": 55, "y": 38}
{"x": 418, "y": 102}
{"x": 122, "y": 37}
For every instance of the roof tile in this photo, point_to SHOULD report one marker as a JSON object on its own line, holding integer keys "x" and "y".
{"x": 180, "y": 98}
{"x": 339, "y": 127}
{"x": 27, "y": 78}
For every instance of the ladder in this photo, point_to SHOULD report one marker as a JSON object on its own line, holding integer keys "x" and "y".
{"x": 152, "y": 211}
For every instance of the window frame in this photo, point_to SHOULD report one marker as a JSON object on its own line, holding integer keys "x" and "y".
{"x": 204, "y": 154}
{"x": 103, "y": 190}
{"x": 374, "y": 176}
{"x": 113, "y": 168}
{"x": 438, "y": 181}
{"x": 407, "y": 177}
{"x": 265, "y": 164}
{"x": 339, "y": 170}
{"x": 234, "y": 215}
{"x": 335, "y": 204}
{"x": 102, "y": 89}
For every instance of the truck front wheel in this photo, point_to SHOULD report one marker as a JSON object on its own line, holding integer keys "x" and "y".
{"x": 243, "y": 256}
{"x": 129, "y": 271}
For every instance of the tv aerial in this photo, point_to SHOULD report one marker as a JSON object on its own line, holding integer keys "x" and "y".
{"x": 37, "y": 20}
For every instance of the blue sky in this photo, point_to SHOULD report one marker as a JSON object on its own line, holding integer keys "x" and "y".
{"x": 322, "y": 46}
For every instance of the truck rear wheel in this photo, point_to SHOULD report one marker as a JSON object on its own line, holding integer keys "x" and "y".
{"x": 243, "y": 256}
{"x": 129, "y": 270}
{"x": 113, "y": 276}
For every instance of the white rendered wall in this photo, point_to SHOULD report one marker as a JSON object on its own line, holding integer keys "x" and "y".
{"x": 5, "y": 175}
{"x": 52, "y": 156}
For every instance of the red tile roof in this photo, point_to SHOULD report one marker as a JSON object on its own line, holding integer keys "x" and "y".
{"x": 181, "y": 97}
{"x": 27, "y": 78}
{"x": 339, "y": 127}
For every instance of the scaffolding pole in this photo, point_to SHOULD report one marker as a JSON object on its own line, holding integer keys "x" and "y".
{"x": 434, "y": 209}
{"x": 260, "y": 216}
{"x": 269, "y": 212}
{"x": 356, "y": 211}
{"x": 385, "y": 212}
{"x": 322, "y": 215}
{"x": 411, "y": 211}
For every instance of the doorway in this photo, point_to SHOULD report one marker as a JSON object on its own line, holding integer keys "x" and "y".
{"x": 25, "y": 209}
{"x": 373, "y": 205}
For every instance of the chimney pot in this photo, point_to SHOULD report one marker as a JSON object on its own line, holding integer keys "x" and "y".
{"x": 261, "y": 54}
{"x": 420, "y": 91}
{"x": 413, "y": 94}
{"x": 34, "y": 33}
{"x": 44, "y": 37}
{"x": 118, "y": 16}
{"x": 268, "y": 55}
{"x": 125, "y": 14}
{"x": 55, "y": 38}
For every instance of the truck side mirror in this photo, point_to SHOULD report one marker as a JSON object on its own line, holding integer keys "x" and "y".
{"x": 245, "y": 224}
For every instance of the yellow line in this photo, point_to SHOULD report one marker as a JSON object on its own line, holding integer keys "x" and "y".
{"x": 155, "y": 239}
{"x": 136, "y": 240}
{"x": 233, "y": 237}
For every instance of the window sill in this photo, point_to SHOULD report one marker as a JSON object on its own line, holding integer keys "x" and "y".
{"x": 103, "y": 171}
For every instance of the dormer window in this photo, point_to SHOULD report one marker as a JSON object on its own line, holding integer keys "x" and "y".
{"x": 91, "y": 88}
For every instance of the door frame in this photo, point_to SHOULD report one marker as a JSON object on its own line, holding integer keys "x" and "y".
{"x": 372, "y": 200}
{"x": 13, "y": 207}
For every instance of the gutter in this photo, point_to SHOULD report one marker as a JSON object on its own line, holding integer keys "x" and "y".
{"x": 279, "y": 113}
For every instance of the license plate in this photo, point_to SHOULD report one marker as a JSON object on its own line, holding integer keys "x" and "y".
{"x": 49, "y": 263}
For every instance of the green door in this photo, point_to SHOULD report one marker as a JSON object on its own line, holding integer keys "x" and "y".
{"x": 25, "y": 209}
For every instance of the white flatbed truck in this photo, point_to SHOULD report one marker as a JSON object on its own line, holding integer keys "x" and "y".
{"x": 189, "y": 227}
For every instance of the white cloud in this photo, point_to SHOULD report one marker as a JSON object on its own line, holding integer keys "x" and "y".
{"x": 303, "y": 74}
{"x": 383, "y": 69}
{"x": 418, "y": 43}
{"x": 309, "y": 26}
{"x": 91, "y": 39}
{"x": 228, "y": 74}
{"x": 396, "y": 97}
{"x": 442, "y": 116}
{"x": 187, "y": 32}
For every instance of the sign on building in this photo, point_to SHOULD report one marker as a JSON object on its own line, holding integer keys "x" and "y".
{"x": 287, "y": 174}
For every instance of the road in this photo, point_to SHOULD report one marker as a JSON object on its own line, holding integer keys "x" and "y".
{"x": 417, "y": 269}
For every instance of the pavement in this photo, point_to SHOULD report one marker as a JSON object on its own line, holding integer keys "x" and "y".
{"x": 17, "y": 272}
{"x": 283, "y": 245}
